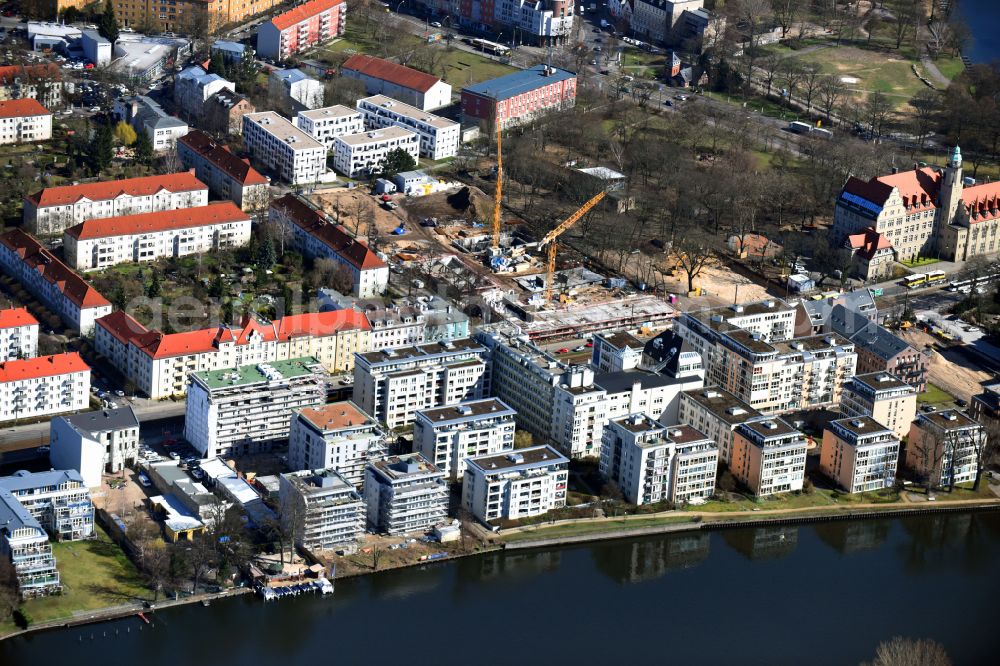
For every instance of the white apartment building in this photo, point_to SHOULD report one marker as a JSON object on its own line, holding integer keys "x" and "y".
{"x": 52, "y": 282}
{"x": 329, "y": 122}
{"x": 53, "y": 209}
{"x": 18, "y": 334}
{"x": 146, "y": 115}
{"x": 25, "y": 544}
{"x": 396, "y": 326}
{"x": 716, "y": 412}
{"x": 95, "y": 443}
{"x": 293, "y": 155}
{"x": 946, "y": 446}
{"x": 24, "y": 120}
{"x": 192, "y": 88}
{"x": 358, "y": 155}
{"x": 315, "y": 235}
{"x": 771, "y": 319}
{"x": 514, "y": 485}
{"x": 614, "y": 352}
{"x": 884, "y": 397}
{"x": 393, "y": 384}
{"x": 227, "y": 176}
{"x": 860, "y": 454}
{"x": 769, "y": 456}
{"x": 97, "y": 244}
{"x": 651, "y": 462}
{"x": 250, "y": 408}
{"x": 323, "y": 508}
{"x": 43, "y": 386}
{"x": 405, "y": 494}
{"x": 338, "y": 436}
{"x": 159, "y": 364}
{"x": 298, "y": 89}
{"x": 448, "y": 435}
{"x": 439, "y": 137}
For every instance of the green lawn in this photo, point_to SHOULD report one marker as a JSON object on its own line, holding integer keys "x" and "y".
{"x": 949, "y": 66}
{"x": 784, "y": 501}
{"x": 95, "y": 574}
{"x": 758, "y": 104}
{"x": 935, "y": 395}
{"x": 920, "y": 261}
{"x": 576, "y": 529}
{"x": 962, "y": 491}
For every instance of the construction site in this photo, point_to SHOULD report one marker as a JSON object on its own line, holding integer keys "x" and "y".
{"x": 460, "y": 243}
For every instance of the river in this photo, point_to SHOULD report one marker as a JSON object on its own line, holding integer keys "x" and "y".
{"x": 818, "y": 594}
{"x": 983, "y": 19}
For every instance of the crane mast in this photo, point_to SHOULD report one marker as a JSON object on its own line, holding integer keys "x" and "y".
{"x": 498, "y": 192}
{"x": 549, "y": 242}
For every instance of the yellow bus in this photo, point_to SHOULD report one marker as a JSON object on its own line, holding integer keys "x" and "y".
{"x": 933, "y": 277}
{"x": 915, "y": 280}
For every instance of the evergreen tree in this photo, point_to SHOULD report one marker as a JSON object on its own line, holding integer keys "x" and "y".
{"x": 397, "y": 160}
{"x": 143, "y": 148}
{"x": 266, "y": 256}
{"x": 102, "y": 147}
{"x": 217, "y": 65}
{"x": 154, "y": 286}
{"x": 244, "y": 72}
{"x": 107, "y": 24}
{"x": 218, "y": 287}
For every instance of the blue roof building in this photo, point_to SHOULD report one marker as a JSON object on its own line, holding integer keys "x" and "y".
{"x": 518, "y": 97}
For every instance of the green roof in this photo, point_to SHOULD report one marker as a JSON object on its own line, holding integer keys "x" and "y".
{"x": 255, "y": 373}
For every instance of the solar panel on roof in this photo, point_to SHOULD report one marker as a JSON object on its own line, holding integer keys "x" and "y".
{"x": 861, "y": 202}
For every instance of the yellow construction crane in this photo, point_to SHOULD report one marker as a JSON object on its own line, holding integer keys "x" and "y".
{"x": 550, "y": 241}
{"x": 498, "y": 193}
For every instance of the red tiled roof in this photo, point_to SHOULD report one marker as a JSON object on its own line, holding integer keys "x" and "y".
{"x": 918, "y": 187}
{"x": 183, "y": 181}
{"x": 19, "y": 108}
{"x": 67, "y": 281}
{"x": 42, "y": 366}
{"x": 250, "y": 326}
{"x": 122, "y": 326}
{"x": 303, "y": 12}
{"x": 335, "y": 416}
{"x": 144, "y": 223}
{"x": 401, "y": 75}
{"x": 31, "y": 72}
{"x": 221, "y": 158}
{"x": 320, "y": 324}
{"x": 982, "y": 202}
{"x": 16, "y": 317}
{"x": 868, "y": 242}
{"x": 354, "y": 251}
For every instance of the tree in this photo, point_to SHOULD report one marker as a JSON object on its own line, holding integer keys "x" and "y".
{"x": 753, "y": 16}
{"x": 770, "y": 65}
{"x": 877, "y": 110}
{"x": 8, "y": 589}
{"x": 217, "y": 65}
{"x": 107, "y": 24}
{"x": 790, "y": 75}
{"x": 396, "y": 161}
{"x": 831, "y": 91}
{"x": 693, "y": 251}
{"x": 523, "y": 439}
{"x": 812, "y": 78}
{"x": 124, "y": 133}
{"x": 906, "y": 14}
{"x": 266, "y": 257}
{"x": 154, "y": 286}
{"x": 785, "y": 13}
{"x": 927, "y": 105}
{"x": 143, "y": 149}
{"x": 901, "y": 651}
{"x": 102, "y": 147}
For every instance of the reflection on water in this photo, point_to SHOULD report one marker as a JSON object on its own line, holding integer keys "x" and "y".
{"x": 647, "y": 560}
{"x": 763, "y": 543}
{"x": 847, "y": 537}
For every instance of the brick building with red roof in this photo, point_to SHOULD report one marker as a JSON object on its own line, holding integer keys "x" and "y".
{"x": 103, "y": 242}
{"x": 43, "y": 386}
{"x": 301, "y": 28}
{"x": 57, "y": 286}
{"x": 51, "y": 210}
{"x": 227, "y": 176}
{"x": 158, "y": 364}
{"x": 18, "y": 334}
{"x": 925, "y": 212}
{"x": 315, "y": 235}
{"x": 40, "y": 82}
{"x": 383, "y": 77}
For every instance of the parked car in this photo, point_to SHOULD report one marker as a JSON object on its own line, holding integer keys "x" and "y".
{"x": 564, "y": 350}
{"x": 144, "y": 480}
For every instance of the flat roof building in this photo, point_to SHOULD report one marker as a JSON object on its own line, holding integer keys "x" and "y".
{"x": 519, "y": 97}
{"x": 338, "y": 436}
{"x": 946, "y": 448}
{"x": 293, "y": 155}
{"x": 860, "y": 454}
{"x": 405, "y": 494}
{"x": 329, "y": 122}
{"x": 448, "y": 435}
{"x": 882, "y": 396}
{"x": 516, "y": 484}
{"x": 769, "y": 456}
{"x": 362, "y": 154}
{"x": 439, "y": 137}
{"x": 323, "y": 509}
{"x": 717, "y": 413}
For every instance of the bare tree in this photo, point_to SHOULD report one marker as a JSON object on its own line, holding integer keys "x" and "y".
{"x": 693, "y": 251}
{"x": 831, "y": 92}
{"x": 785, "y": 12}
{"x": 901, "y": 651}
{"x": 790, "y": 75}
{"x": 770, "y": 65}
{"x": 877, "y": 109}
{"x": 753, "y": 16}
{"x": 812, "y": 79}
{"x": 926, "y": 105}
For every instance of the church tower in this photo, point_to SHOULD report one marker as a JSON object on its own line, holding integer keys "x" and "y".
{"x": 951, "y": 189}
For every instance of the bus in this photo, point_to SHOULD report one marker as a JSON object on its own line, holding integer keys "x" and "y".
{"x": 491, "y": 47}
{"x": 934, "y": 277}
{"x": 797, "y": 127}
{"x": 915, "y": 280}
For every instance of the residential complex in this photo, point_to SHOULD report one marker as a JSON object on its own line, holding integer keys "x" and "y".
{"x": 405, "y": 494}
{"x": 294, "y": 90}
{"x": 326, "y": 124}
{"x": 772, "y": 320}
{"x": 95, "y": 443}
{"x": 224, "y": 111}
{"x": 925, "y": 212}
{"x": 39, "y": 82}
{"x": 383, "y": 77}
{"x": 448, "y": 435}
{"x": 145, "y": 114}
{"x": 439, "y": 137}
{"x": 396, "y": 326}
{"x": 517, "y": 98}
{"x": 180, "y": 16}
{"x": 514, "y": 485}
{"x": 53, "y": 209}
{"x": 322, "y": 509}
{"x": 108, "y": 241}
{"x": 52, "y": 282}
{"x": 880, "y": 350}
{"x": 946, "y": 447}
{"x": 292, "y": 154}
{"x": 860, "y": 454}
{"x": 540, "y": 23}
{"x": 315, "y": 235}
{"x": 717, "y": 413}
{"x": 885, "y": 398}
{"x": 192, "y": 88}
{"x": 357, "y": 155}
{"x": 338, "y": 436}
{"x": 769, "y": 456}
{"x": 301, "y": 28}
{"x": 158, "y": 363}
{"x": 984, "y": 407}
{"x": 615, "y": 352}
{"x": 651, "y": 462}
{"x": 250, "y": 408}
{"x": 24, "y": 120}
{"x": 393, "y": 384}
{"x": 18, "y": 334}
{"x": 227, "y": 176}
{"x": 33, "y": 506}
